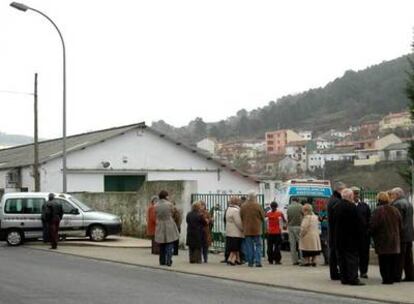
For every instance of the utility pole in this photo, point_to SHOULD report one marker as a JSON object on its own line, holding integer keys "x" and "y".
{"x": 36, "y": 174}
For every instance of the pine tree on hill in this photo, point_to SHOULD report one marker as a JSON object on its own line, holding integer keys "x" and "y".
{"x": 409, "y": 90}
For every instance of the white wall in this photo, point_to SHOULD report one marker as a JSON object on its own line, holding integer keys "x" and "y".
{"x": 27, "y": 177}
{"x": 207, "y": 145}
{"x": 145, "y": 152}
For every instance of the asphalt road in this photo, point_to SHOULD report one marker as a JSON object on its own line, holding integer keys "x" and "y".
{"x": 32, "y": 276}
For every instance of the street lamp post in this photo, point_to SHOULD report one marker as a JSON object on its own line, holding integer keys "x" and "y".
{"x": 24, "y": 8}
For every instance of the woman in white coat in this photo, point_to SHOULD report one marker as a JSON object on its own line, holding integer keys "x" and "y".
{"x": 234, "y": 231}
{"x": 309, "y": 242}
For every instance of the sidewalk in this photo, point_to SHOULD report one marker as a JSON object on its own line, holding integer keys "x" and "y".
{"x": 288, "y": 276}
{"x": 110, "y": 241}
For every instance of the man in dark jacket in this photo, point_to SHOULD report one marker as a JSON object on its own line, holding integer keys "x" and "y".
{"x": 348, "y": 238}
{"x": 333, "y": 201}
{"x": 407, "y": 236}
{"x": 364, "y": 213}
{"x": 53, "y": 214}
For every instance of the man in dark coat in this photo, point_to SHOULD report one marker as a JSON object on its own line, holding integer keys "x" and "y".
{"x": 347, "y": 239}
{"x": 407, "y": 236}
{"x": 333, "y": 201}
{"x": 364, "y": 213}
{"x": 53, "y": 214}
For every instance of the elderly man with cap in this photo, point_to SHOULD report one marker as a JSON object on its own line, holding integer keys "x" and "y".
{"x": 332, "y": 203}
{"x": 364, "y": 213}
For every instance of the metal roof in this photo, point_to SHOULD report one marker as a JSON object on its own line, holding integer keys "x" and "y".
{"x": 22, "y": 156}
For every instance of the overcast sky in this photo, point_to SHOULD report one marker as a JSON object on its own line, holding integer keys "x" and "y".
{"x": 130, "y": 61}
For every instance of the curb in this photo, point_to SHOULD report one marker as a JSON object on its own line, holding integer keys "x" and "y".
{"x": 63, "y": 244}
{"x": 222, "y": 278}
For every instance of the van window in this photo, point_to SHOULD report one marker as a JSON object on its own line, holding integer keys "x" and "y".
{"x": 24, "y": 205}
{"x": 67, "y": 207}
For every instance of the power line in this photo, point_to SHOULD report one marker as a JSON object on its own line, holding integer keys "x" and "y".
{"x": 15, "y": 92}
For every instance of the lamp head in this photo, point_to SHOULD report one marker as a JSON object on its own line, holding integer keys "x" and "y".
{"x": 19, "y": 6}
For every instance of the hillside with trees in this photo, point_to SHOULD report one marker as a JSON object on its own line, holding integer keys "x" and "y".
{"x": 348, "y": 100}
{"x": 8, "y": 140}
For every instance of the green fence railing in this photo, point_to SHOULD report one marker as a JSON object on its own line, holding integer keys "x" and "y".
{"x": 217, "y": 205}
{"x": 369, "y": 197}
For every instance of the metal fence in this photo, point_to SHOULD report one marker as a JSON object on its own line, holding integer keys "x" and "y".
{"x": 217, "y": 205}
{"x": 369, "y": 197}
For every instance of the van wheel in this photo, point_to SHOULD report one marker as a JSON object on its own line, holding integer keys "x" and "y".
{"x": 97, "y": 233}
{"x": 14, "y": 237}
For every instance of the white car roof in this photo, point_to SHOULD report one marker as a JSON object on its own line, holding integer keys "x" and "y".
{"x": 32, "y": 194}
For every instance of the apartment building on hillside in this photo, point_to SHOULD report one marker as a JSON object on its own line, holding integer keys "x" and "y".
{"x": 276, "y": 141}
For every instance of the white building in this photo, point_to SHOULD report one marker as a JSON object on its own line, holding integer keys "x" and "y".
{"x": 114, "y": 159}
{"x": 306, "y": 135}
{"x": 339, "y": 133}
{"x": 258, "y": 145}
{"x": 396, "y": 152}
{"x": 317, "y": 160}
{"x": 366, "y": 157}
{"x": 297, "y": 151}
{"x": 208, "y": 144}
{"x": 323, "y": 144}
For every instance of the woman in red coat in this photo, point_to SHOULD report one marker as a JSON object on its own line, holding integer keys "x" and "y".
{"x": 151, "y": 223}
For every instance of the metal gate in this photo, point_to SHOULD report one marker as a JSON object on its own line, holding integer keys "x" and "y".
{"x": 217, "y": 205}
{"x": 369, "y": 197}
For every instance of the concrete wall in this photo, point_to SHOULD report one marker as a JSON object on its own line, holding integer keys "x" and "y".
{"x": 132, "y": 206}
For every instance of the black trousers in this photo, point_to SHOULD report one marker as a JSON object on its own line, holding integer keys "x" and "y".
{"x": 324, "y": 245}
{"x": 405, "y": 262}
{"x": 54, "y": 232}
{"x": 388, "y": 264}
{"x": 348, "y": 262}
{"x": 364, "y": 255}
{"x": 333, "y": 264}
{"x": 274, "y": 241}
{"x": 176, "y": 246}
{"x": 226, "y": 249}
{"x": 194, "y": 254}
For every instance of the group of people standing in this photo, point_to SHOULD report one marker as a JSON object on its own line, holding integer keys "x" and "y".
{"x": 351, "y": 227}
{"x": 342, "y": 230}
{"x": 244, "y": 220}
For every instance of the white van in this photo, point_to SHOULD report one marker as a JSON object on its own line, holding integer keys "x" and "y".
{"x": 20, "y": 218}
{"x": 311, "y": 191}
